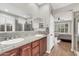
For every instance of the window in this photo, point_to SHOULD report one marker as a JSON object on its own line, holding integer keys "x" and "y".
{"x": 66, "y": 28}
{"x": 62, "y": 27}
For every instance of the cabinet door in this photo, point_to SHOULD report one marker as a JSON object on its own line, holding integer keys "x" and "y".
{"x": 35, "y": 43}
{"x": 14, "y": 52}
{"x": 35, "y": 48}
{"x": 35, "y": 51}
{"x": 26, "y": 50}
{"x": 43, "y": 46}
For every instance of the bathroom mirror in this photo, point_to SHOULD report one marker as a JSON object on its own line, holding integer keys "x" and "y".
{"x": 28, "y": 26}
{"x": 10, "y": 22}
{"x": 2, "y": 22}
{"x": 18, "y": 25}
{"x": 2, "y": 27}
{"x": 8, "y": 27}
{"x": 6, "y": 22}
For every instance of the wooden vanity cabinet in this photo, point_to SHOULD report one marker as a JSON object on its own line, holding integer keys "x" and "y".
{"x": 35, "y": 48}
{"x": 14, "y": 52}
{"x": 25, "y": 50}
{"x": 35, "y": 51}
{"x": 43, "y": 45}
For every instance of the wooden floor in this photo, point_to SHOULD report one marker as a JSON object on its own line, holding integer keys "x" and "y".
{"x": 61, "y": 49}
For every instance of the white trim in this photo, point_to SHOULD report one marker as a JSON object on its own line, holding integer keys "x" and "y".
{"x": 63, "y": 33}
{"x": 62, "y": 21}
{"x": 72, "y": 42}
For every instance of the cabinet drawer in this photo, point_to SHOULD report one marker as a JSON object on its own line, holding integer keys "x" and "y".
{"x": 35, "y": 43}
{"x": 35, "y": 51}
{"x": 26, "y": 46}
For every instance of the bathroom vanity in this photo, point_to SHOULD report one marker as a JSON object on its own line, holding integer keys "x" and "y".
{"x": 35, "y": 46}
{"x": 14, "y": 39}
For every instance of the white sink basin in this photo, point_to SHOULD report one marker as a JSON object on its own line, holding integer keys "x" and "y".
{"x": 8, "y": 42}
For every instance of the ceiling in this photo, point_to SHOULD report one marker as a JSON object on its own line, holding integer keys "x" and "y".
{"x": 59, "y": 5}
{"x": 33, "y": 8}
{"x": 55, "y": 5}
{"x": 27, "y": 5}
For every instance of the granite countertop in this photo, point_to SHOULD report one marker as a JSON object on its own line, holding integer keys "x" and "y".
{"x": 27, "y": 39}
